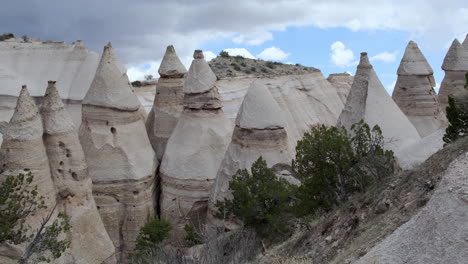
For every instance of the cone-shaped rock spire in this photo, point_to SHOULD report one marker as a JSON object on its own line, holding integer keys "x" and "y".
{"x": 88, "y": 236}
{"x": 465, "y": 42}
{"x": 171, "y": 66}
{"x": 194, "y": 151}
{"x": 259, "y": 110}
{"x": 414, "y": 92}
{"x": 249, "y": 141}
{"x": 111, "y": 88}
{"x": 121, "y": 161}
{"x": 369, "y": 101}
{"x": 414, "y": 62}
{"x": 200, "y": 78}
{"x": 168, "y": 102}
{"x": 455, "y": 66}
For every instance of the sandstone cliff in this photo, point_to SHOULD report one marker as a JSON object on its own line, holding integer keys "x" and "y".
{"x": 121, "y": 162}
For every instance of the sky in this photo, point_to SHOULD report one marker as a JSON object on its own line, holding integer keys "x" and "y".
{"x": 325, "y": 34}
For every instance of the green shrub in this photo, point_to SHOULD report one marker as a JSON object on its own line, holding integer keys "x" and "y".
{"x": 332, "y": 165}
{"x": 6, "y": 36}
{"x": 236, "y": 67}
{"x": 253, "y": 69}
{"x": 137, "y": 84}
{"x": 152, "y": 234}
{"x": 261, "y": 200}
{"x": 270, "y": 65}
{"x": 457, "y": 115}
{"x": 192, "y": 237}
{"x": 243, "y": 64}
{"x": 224, "y": 54}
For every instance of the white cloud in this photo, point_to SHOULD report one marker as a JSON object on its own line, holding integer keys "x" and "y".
{"x": 385, "y": 56}
{"x": 253, "y": 39}
{"x": 209, "y": 55}
{"x": 341, "y": 56}
{"x": 390, "y": 87}
{"x": 138, "y": 72}
{"x": 273, "y": 54}
{"x": 241, "y": 52}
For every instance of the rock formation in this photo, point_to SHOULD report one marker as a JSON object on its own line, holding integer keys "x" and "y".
{"x": 414, "y": 92}
{"x": 23, "y": 151}
{"x": 368, "y": 100}
{"x": 121, "y": 162}
{"x": 342, "y": 82}
{"x": 437, "y": 234}
{"x": 90, "y": 242}
{"x": 194, "y": 151}
{"x": 168, "y": 101}
{"x": 259, "y": 131}
{"x": 455, "y": 66}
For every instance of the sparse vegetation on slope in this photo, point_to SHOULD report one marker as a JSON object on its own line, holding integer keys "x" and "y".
{"x": 457, "y": 115}
{"x": 6, "y": 36}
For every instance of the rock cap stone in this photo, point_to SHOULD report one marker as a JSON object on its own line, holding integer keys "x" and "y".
{"x": 259, "y": 110}
{"x": 55, "y": 117}
{"x": 456, "y": 58}
{"x": 200, "y": 77}
{"x": 364, "y": 61}
{"x": 110, "y": 87}
{"x": 414, "y": 62}
{"x": 171, "y": 66}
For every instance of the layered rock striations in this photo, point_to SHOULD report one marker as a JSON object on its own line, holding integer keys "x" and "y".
{"x": 368, "y": 100}
{"x": 90, "y": 242}
{"x": 259, "y": 131}
{"x": 121, "y": 162}
{"x": 194, "y": 151}
{"x": 455, "y": 66}
{"x": 168, "y": 101}
{"x": 414, "y": 92}
{"x": 23, "y": 151}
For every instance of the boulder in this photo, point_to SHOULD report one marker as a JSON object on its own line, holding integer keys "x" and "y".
{"x": 194, "y": 151}
{"x": 369, "y": 101}
{"x": 455, "y": 66}
{"x": 168, "y": 101}
{"x": 259, "y": 131}
{"x": 90, "y": 242}
{"x": 414, "y": 92}
{"x": 121, "y": 162}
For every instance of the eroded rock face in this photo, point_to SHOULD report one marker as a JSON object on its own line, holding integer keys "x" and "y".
{"x": 342, "y": 82}
{"x": 168, "y": 101}
{"x": 414, "y": 92}
{"x": 455, "y": 66}
{"x": 194, "y": 151}
{"x": 259, "y": 131}
{"x": 368, "y": 100}
{"x": 23, "y": 151}
{"x": 437, "y": 234}
{"x": 121, "y": 162}
{"x": 90, "y": 242}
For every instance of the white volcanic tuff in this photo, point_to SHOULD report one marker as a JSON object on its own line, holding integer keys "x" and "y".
{"x": 120, "y": 159}
{"x": 111, "y": 88}
{"x": 248, "y": 143}
{"x": 171, "y": 66}
{"x": 193, "y": 153}
{"x": 342, "y": 82}
{"x": 23, "y": 151}
{"x": 465, "y": 42}
{"x": 369, "y": 101}
{"x": 455, "y": 66}
{"x": 200, "y": 77}
{"x": 437, "y": 234}
{"x": 414, "y": 92}
{"x": 88, "y": 236}
{"x": 259, "y": 110}
{"x": 168, "y": 102}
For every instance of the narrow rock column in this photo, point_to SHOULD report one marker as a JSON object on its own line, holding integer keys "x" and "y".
{"x": 90, "y": 243}
{"x": 455, "y": 66}
{"x": 168, "y": 101}
{"x": 259, "y": 131}
{"x": 414, "y": 92}
{"x": 23, "y": 151}
{"x": 121, "y": 162}
{"x": 194, "y": 151}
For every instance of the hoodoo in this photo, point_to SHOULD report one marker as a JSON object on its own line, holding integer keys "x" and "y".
{"x": 194, "y": 151}
{"x": 455, "y": 66}
{"x": 414, "y": 92}
{"x": 168, "y": 101}
{"x": 369, "y": 101}
{"x": 259, "y": 131}
{"x": 121, "y": 162}
{"x": 90, "y": 242}
{"x": 23, "y": 151}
